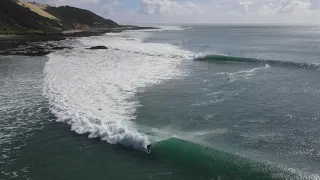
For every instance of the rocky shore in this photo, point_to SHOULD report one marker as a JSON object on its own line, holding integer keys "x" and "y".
{"x": 35, "y": 29}
{"x": 40, "y": 45}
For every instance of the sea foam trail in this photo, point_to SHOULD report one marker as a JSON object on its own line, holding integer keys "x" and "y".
{"x": 243, "y": 74}
{"x": 94, "y": 91}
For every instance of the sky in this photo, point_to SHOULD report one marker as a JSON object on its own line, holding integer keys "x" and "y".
{"x": 201, "y": 11}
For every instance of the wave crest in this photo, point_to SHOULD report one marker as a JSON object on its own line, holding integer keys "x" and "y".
{"x": 213, "y": 58}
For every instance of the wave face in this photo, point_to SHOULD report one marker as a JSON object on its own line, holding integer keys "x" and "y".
{"x": 217, "y": 58}
{"x": 94, "y": 91}
{"x": 211, "y": 163}
{"x": 208, "y": 162}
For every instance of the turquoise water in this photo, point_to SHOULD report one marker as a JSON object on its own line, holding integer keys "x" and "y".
{"x": 216, "y": 102}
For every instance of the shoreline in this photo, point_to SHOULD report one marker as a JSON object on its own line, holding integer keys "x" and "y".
{"x": 28, "y": 44}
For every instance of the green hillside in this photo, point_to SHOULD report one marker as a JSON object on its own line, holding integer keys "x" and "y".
{"x": 70, "y": 17}
{"x": 15, "y": 19}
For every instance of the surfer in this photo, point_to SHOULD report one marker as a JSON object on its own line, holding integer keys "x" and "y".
{"x": 149, "y": 147}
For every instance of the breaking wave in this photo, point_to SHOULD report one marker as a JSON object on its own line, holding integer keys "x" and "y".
{"x": 213, "y": 163}
{"x": 214, "y": 58}
{"x": 94, "y": 91}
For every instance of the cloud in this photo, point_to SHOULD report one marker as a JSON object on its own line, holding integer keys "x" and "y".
{"x": 168, "y": 7}
{"x": 315, "y": 4}
{"x": 218, "y": 7}
{"x": 268, "y": 10}
{"x": 245, "y": 4}
{"x": 110, "y": 7}
{"x": 79, "y": 1}
{"x": 201, "y": 11}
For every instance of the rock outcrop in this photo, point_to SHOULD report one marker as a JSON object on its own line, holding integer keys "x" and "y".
{"x": 98, "y": 47}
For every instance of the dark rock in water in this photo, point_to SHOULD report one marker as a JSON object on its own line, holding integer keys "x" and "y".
{"x": 98, "y": 47}
{"x": 61, "y": 47}
{"x": 40, "y": 45}
{"x": 30, "y": 45}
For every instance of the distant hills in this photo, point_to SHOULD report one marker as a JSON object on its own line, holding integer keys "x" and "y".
{"x": 21, "y": 17}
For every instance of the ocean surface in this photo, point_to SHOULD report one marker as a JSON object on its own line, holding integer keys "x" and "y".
{"x": 219, "y": 102}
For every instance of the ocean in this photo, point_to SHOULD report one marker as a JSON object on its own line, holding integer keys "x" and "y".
{"x": 217, "y": 102}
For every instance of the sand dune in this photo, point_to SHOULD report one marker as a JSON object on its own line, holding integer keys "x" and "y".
{"x": 36, "y": 9}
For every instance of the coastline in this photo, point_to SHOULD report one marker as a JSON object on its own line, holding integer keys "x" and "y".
{"x": 28, "y": 44}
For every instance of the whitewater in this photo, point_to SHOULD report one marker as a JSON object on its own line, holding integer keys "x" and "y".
{"x": 94, "y": 91}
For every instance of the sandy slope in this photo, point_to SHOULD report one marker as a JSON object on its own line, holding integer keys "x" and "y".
{"x": 36, "y": 9}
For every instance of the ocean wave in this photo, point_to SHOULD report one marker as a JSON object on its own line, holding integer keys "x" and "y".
{"x": 217, "y": 58}
{"x": 94, "y": 91}
{"x": 213, "y": 163}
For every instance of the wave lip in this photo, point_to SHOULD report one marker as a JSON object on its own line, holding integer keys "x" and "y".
{"x": 94, "y": 91}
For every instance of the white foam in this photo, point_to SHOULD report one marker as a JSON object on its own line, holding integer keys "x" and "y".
{"x": 94, "y": 90}
{"x": 243, "y": 74}
{"x": 19, "y": 96}
{"x": 168, "y": 28}
{"x": 173, "y": 28}
{"x": 208, "y": 102}
{"x": 218, "y": 131}
{"x": 162, "y": 28}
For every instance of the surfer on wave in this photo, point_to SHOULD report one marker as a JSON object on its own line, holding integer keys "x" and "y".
{"x": 149, "y": 147}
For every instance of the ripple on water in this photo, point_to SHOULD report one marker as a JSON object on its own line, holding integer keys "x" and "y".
{"x": 20, "y": 97}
